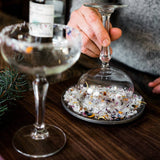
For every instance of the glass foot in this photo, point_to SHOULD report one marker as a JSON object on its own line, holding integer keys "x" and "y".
{"x": 25, "y": 144}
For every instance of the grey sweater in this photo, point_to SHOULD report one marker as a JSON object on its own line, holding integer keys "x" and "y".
{"x": 139, "y": 46}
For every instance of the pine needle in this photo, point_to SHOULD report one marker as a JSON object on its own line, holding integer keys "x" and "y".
{"x": 12, "y": 83}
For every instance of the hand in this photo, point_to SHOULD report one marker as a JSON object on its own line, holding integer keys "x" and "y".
{"x": 155, "y": 85}
{"x": 89, "y": 22}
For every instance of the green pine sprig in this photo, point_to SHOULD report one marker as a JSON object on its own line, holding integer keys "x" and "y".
{"x": 12, "y": 85}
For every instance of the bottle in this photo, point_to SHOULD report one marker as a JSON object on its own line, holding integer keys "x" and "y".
{"x": 59, "y": 11}
{"x": 40, "y": 12}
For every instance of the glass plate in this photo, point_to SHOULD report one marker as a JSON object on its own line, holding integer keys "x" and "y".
{"x": 101, "y": 121}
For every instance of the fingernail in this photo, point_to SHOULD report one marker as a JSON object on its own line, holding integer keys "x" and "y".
{"x": 106, "y": 42}
{"x": 150, "y": 84}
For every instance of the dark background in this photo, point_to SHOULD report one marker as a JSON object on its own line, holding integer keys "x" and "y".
{"x": 20, "y": 8}
{"x": 16, "y": 8}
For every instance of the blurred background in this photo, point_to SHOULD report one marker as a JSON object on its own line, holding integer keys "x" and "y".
{"x": 16, "y": 8}
{"x": 20, "y": 9}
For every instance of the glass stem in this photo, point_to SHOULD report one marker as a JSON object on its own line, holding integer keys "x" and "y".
{"x": 105, "y": 54}
{"x": 40, "y": 88}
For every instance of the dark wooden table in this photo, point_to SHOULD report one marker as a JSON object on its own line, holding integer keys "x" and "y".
{"x": 138, "y": 140}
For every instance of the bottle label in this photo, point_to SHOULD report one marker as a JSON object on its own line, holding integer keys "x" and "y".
{"x": 41, "y": 13}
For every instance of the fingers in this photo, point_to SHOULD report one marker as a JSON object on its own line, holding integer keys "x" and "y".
{"x": 156, "y": 85}
{"x": 115, "y": 33}
{"x": 90, "y": 45}
{"x": 94, "y": 20}
{"x": 89, "y": 22}
{"x": 156, "y": 89}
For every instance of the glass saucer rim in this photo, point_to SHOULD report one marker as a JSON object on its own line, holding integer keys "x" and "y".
{"x": 11, "y": 40}
{"x": 100, "y": 121}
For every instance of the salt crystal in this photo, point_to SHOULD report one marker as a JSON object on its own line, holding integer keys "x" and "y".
{"x": 89, "y": 91}
{"x": 96, "y": 93}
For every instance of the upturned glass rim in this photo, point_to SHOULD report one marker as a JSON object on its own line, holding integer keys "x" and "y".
{"x": 105, "y": 5}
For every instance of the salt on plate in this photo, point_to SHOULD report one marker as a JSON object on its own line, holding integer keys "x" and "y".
{"x": 102, "y": 102}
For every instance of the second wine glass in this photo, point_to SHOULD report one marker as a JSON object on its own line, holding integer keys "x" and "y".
{"x": 104, "y": 95}
{"x": 113, "y": 80}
